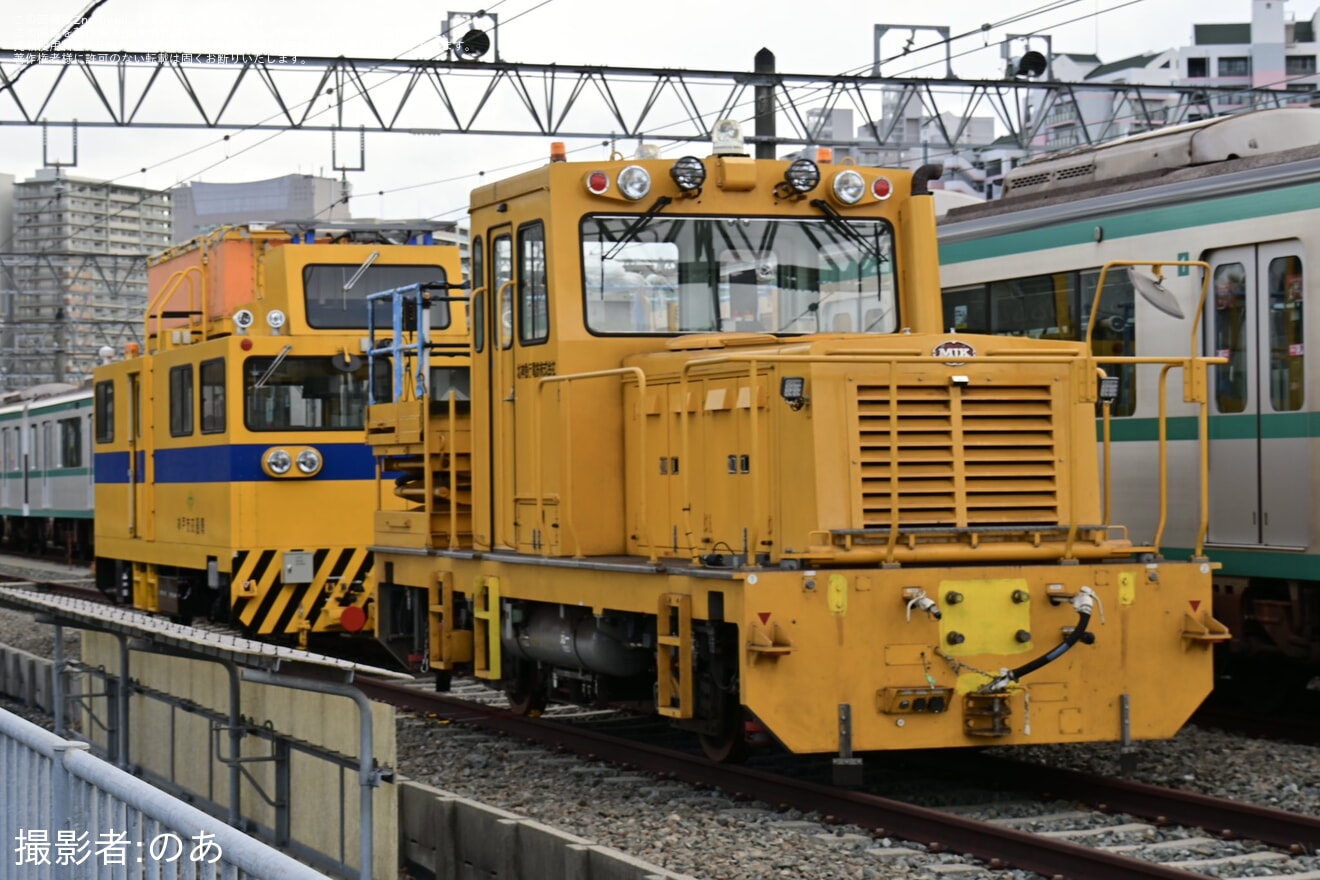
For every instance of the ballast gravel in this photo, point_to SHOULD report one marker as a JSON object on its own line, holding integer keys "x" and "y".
{"x": 707, "y": 834}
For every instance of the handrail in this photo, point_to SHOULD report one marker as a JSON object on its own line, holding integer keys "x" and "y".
{"x": 1108, "y": 488}
{"x": 167, "y": 291}
{"x": 1194, "y": 392}
{"x": 538, "y": 452}
{"x": 1156, "y": 266}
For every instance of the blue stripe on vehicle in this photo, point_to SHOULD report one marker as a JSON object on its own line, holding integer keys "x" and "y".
{"x": 234, "y": 464}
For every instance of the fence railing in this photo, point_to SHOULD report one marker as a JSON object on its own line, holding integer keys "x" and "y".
{"x": 65, "y": 813}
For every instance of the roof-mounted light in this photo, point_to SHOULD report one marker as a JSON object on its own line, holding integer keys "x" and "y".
{"x": 689, "y": 173}
{"x": 598, "y": 182}
{"x": 802, "y": 176}
{"x": 726, "y": 138}
{"x": 848, "y": 187}
{"x": 275, "y": 319}
{"x": 634, "y": 182}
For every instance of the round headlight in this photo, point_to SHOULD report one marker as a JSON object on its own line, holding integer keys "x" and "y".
{"x": 279, "y": 461}
{"x": 848, "y": 187}
{"x": 634, "y": 182}
{"x": 309, "y": 461}
{"x": 803, "y": 175}
{"x": 689, "y": 173}
{"x": 275, "y": 318}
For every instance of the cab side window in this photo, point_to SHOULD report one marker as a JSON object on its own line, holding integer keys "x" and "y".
{"x": 181, "y": 401}
{"x": 533, "y": 305}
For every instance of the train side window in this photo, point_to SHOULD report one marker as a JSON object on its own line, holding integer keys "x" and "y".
{"x": 533, "y": 305}
{"x": 478, "y": 281}
{"x": 1115, "y": 333}
{"x": 502, "y": 273}
{"x": 71, "y": 443}
{"x": 1287, "y": 350}
{"x": 212, "y": 376}
{"x": 105, "y": 411}
{"x": 1230, "y": 337}
{"x": 965, "y": 310}
{"x": 181, "y": 401}
{"x": 1039, "y": 306}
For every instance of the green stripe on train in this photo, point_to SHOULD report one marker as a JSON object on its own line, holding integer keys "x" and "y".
{"x": 1273, "y": 426}
{"x": 38, "y": 513}
{"x": 38, "y": 409}
{"x": 1256, "y": 563}
{"x": 1141, "y": 222}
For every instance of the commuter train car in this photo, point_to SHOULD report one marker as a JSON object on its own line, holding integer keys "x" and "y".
{"x": 722, "y": 462}
{"x": 45, "y": 471}
{"x": 1242, "y": 194}
{"x": 232, "y": 477}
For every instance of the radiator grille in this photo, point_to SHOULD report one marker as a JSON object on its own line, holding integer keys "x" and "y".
{"x": 966, "y": 457}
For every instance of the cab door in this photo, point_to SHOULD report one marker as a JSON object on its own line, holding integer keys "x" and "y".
{"x": 499, "y": 364}
{"x": 1258, "y": 429}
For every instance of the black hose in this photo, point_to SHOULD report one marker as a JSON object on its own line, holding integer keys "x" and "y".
{"x": 1083, "y": 618}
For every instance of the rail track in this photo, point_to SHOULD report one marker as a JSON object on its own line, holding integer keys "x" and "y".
{"x": 1134, "y": 830}
{"x": 1174, "y": 820}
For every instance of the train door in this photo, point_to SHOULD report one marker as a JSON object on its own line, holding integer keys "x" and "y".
{"x": 499, "y": 353}
{"x": 49, "y": 463}
{"x": 135, "y": 465}
{"x": 1258, "y": 432}
{"x": 30, "y": 463}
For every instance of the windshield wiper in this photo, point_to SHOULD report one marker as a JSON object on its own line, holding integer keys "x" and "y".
{"x": 274, "y": 365}
{"x": 844, "y": 228}
{"x": 812, "y": 307}
{"x": 637, "y": 226}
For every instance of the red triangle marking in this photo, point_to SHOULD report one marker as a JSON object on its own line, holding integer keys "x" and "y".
{"x": 1195, "y": 603}
{"x": 764, "y": 615}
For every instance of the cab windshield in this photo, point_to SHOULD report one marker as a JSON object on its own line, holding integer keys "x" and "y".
{"x": 310, "y": 393}
{"x": 670, "y": 274}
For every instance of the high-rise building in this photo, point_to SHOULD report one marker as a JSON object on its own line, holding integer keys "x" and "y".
{"x": 199, "y": 207}
{"x": 73, "y": 273}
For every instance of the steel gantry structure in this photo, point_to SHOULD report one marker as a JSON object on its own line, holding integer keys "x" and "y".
{"x": 439, "y": 97}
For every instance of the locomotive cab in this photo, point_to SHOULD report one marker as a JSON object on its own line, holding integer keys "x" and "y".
{"x": 726, "y": 465}
{"x": 230, "y": 463}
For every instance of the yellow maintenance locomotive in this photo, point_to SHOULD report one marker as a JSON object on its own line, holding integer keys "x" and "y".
{"x": 722, "y": 462}
{"x": 232, "y": 479}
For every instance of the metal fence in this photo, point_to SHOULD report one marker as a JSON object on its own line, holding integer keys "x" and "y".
{"x": 67, "y": 814}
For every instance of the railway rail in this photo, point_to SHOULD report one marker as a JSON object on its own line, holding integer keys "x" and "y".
{"x": 997, "y": 844}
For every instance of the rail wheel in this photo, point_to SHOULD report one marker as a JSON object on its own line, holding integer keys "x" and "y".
{"x": 527, "y": 693}
{"x": 728, "y": 745}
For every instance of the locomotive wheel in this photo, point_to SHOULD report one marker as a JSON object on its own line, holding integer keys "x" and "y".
{"x": 524, "y": 700}
{"x": 526, "y": 693}
{"x": 729, "y": 745}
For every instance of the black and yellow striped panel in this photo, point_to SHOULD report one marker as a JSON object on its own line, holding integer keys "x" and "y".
{"x": 265, "y": 605}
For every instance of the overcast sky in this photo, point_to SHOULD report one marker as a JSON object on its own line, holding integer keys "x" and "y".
{"x": 694, "y": 34}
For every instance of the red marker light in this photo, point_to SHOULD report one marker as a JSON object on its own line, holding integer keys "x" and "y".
{"x": 882, "y": 188}
{"x": 353, "y": 619}
{"x": 246, "y": 345}
{"x": 598, "y": 182}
